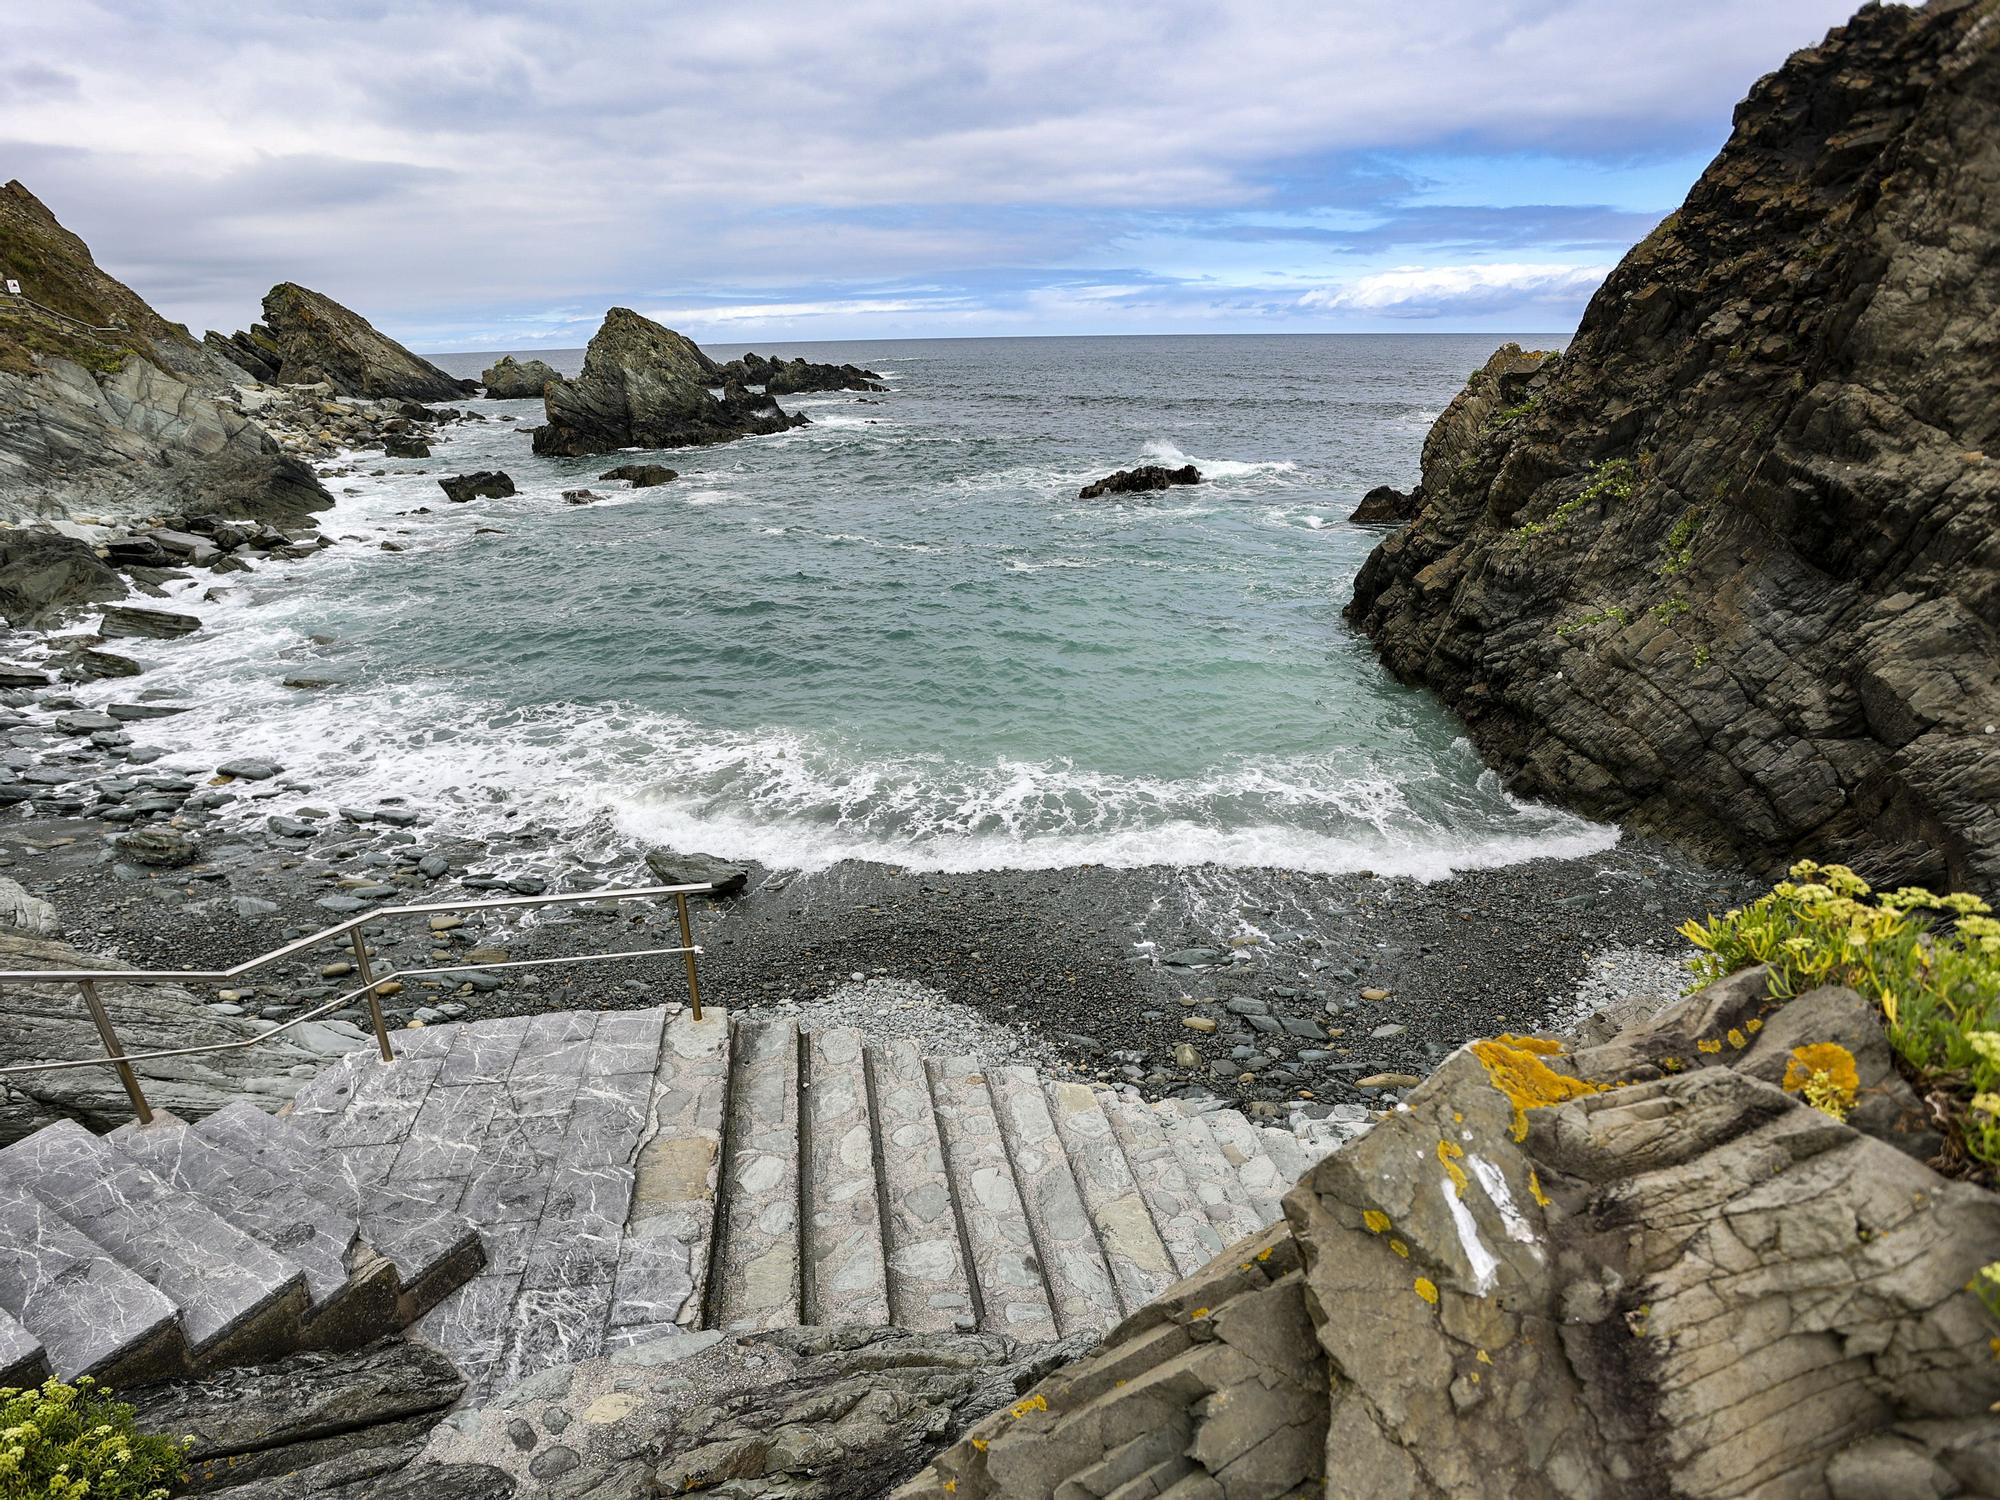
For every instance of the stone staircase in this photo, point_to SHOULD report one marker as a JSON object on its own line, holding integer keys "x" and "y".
{"x": 531, "y": 1191}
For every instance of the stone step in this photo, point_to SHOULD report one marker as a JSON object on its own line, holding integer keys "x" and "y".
{"x": 1288, "y": 1154}
{"x": 1209, "y": 1171}
{"x": 1007, "y": 1274}
{"x": 757, "y": 1269}
{"x": 263, "y": 1205}
{"x": 929, "y": 1289}
{"x": 237, "y": 1299}
{"x": 1243, "y": 1148}
{"x": 1080, "y": 1285}
{"x": 663, "y": 1265}
{"x": 845, "y": 1278}
{"x": 91, "y": 1315}
{"x": 23, "y": 1359}
{"x": 1141, "y": 1267}
{"x": 1178, "y": 1215}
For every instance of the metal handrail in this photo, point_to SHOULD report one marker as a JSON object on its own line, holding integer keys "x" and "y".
{"x": 117, "y": 1058}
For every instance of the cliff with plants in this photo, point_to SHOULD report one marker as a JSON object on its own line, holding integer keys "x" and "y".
{"x": 1729, "y": 567}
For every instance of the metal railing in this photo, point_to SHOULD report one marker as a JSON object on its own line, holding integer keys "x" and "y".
{"x": 116, "y": 1058}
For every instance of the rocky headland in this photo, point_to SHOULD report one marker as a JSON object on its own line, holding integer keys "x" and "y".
{"x": 645, "y": 386}
{"x": 307, "y": 338}
{"x": 1729, "y": 568}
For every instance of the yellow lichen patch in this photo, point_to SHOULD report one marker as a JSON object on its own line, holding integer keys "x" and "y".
{"x": 979, "y": 1445}
{"x": 951, "y": 1486}
{"x": 1483, "y": 1357}
{"x": 1427, "y": 1289}
{"x": 1672, "y": 1064}
{"x": 1265, "y": 1253}
{"x": 1034, "y": 1403}
{"x": 1515, "y": 1067}
{"x": 1535, "y": 1189}
{"x": 1199, "y": 1312}
{"x": 1709, "y": 1045}
{"x": 1824, "y": 1075}
{"x": 1737, "y": 1039}
{"x": 1449, "y": 1157}
{"x": 1753, "y": 1026}
{"x": 1374, "y": 1218}
{"x": 1400, "y": 1248}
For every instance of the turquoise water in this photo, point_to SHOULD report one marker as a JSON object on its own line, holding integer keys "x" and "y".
{"x": 897, "y": 633}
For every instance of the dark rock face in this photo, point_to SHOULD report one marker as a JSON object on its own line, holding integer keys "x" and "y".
{"x": 107, "y": 409}
{"x": 642, "y": 476}
{"x": 644, "y": 386}
{"x": 1138, "y": 481}
{"x": 399, "y": 445}
{"x": 509, "y": 379}
{"x": 306, "y": 338}
{"x": 1386, "y": 504}
{"x": 788, "y": 377}
{"x": 1642, "y": 1268}
{"x": 1730, "y": 568}
{"x": 670, "y": 868}
{"x": 489, "y": 484}
{"x": 147, "y": 624}
{"x": 45, "y": 572}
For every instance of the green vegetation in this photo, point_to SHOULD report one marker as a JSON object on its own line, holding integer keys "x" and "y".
{"x": 1701, "y": 654}
{"x": 1617, "y": 612}
{"x": 71, "y": 1442}
{"x": 1670, "y": 609}
{"x": 1932, "y": 963}
{"x": 1507, "y": 416}
{"x": 1607, "y": 482}
{"x": 1680, "y": 544}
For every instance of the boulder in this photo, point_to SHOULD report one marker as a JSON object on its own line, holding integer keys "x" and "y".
{"x": 1639, "y": 1268}
{"x": 27, "y": 913}
{"x": 399, "y": 445}
{"x": 642, "y": 476}
{"x": 645, "y": 386}
{"x": 1138, "y": 481}
{"x": 1386, "y": 504}
{"x": 670, "y": 868}
{"x": 579, "y": 497}
{"x": 509, "y": 379}
{"x": 1725, "y": 570}
{"x": 487, "y": 484}
{"x": 43, "y": 573}
{"x": 128, "y": 620}
{"x": 158, "y": 846}
{"x": 307, "y": 338}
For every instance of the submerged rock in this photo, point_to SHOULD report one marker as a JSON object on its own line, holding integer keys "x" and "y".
{"x": 509, "y": 379}
{"x": 489, "y": 484}
{"x": 645, "y": 386}
{"x": 1726, "y": 569}
{"x": 1138, "y": 481}
{"x": 307, "y": 337}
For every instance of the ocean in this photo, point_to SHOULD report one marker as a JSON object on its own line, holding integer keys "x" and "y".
{"x": 895, "y": 634}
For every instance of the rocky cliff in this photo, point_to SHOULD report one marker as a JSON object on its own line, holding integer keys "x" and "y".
{"x": 1730, "y": 567}
{"x": 307, "y": 338}
{"x": 107, "y": 409}
{"x": 645, "y": 386}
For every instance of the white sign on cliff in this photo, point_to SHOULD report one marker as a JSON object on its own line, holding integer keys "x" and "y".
{"x": 13, "y": 288}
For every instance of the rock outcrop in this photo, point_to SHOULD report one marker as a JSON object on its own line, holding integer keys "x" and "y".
{"x": 485, "y": 484}
{"x": 1729, "y": 569}
{"x": 1641, "y": 1268}
{"x": 107, "y": 409}
{"x": 789, "y": 377}
{"x": 509, "y": 379}
{"x": 1386, "y": 503}
{"x": 1138, "y": 481}
{"x": 308, "y": 338}
{"x": 645, "y": 386}
{"x": 642, "y": 476}
{"x": 43, "y": 573}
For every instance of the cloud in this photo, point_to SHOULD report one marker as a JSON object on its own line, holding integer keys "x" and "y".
{"x": 1449, "y": 291}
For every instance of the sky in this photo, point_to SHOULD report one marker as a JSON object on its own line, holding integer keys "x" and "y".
{"x": 494, "y": 175}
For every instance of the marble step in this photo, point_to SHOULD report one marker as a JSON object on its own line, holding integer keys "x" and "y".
{"x": 1178, "y": 1215}
{"x": 1141, "y": 1267}
{"x": 929, "y": 1287}
{"x": 23, "y": 1359}
{"x": 237, "y": 1300}
{"x": 846, "y": 1279}
{"x": 1216, "y": 1183}
{"x": 757, "y": 1269}
{"x": 89, "y": 1314}
{"x": 1079, "y": 1282}
{"x": 1007, "y": 1275}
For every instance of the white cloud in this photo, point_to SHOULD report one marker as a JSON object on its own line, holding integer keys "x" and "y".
{"x": 1441, "y": 291}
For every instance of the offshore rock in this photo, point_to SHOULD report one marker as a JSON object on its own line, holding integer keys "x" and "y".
{"x": 1638, "y": 1269}
{"x": 510, "y": 379}
{"x": 490, "y": 484}
{"x": 642, "y": 476}
{"x": 307, "y": 338}
{"x": 1384, "y": 503}
{"x": 787, "y": 377}
{"x": 107, "y": 409}
{"x": 1730, "y": 568}
{"x": 645, "y": 386}
{"x": 1138, "y": 481}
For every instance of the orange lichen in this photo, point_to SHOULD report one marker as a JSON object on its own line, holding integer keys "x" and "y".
{"x": 1427, "y": 1289}
{"x": 1825, "y": 1076}
{"x": 1449, "y": 1157}
{"x": 1265, "y": 1253}
{"x": 1375, "y": 1219}
{"x": 1515, "y": 1067}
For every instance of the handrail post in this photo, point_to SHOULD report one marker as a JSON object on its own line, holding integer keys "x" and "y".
{"x": 374, "y": 1000}
{"x": 687, "y": 943}
{"x": 126, "y": 1076}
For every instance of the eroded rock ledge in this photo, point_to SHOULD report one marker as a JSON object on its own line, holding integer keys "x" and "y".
{"x": 1729, "y": 568}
